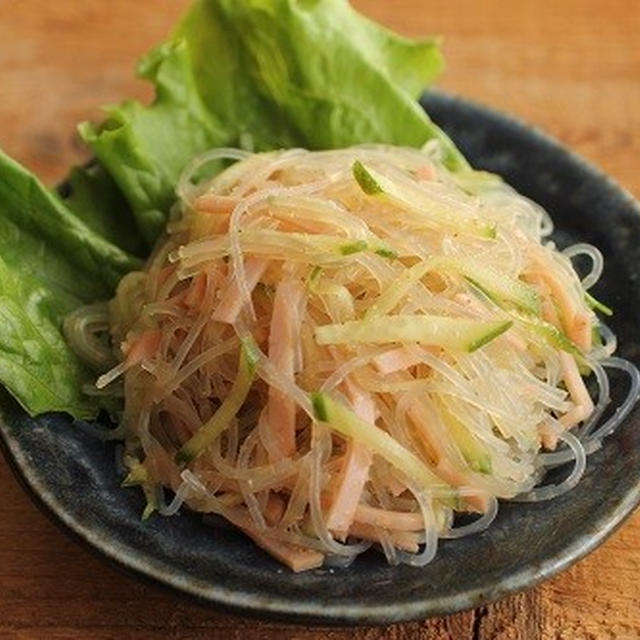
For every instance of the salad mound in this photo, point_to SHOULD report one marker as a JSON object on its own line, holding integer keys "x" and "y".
{"x": 338, "y": 348}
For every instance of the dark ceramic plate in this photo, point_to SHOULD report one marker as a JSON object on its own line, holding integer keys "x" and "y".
{"x": 74, "y": 477}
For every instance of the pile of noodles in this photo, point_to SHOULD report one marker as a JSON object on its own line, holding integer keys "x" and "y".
{"x": 344, "y": 349}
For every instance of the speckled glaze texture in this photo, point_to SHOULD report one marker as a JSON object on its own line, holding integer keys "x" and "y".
{"x": 74, "y": 477}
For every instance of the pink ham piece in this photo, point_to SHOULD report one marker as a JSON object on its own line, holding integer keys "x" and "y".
{"x": 577, "y": 325}
{"x": 426, "y": 172}
{"x": 142, "y": 347}
{"x": 395, "y": 360}
{"x": 294, "y": 557}
{"x": 214, "y": 203}
{"x": 355, "y": 470}
{"x": 195, "y": 294}
{"x": 405, "y": 540}
{"x": 577, "y": 390}
{"x": 231, "y": 302}
{"x": 385, "y": 519}
{"x": 284, "y": 335}
{"x": 443, "y": 468}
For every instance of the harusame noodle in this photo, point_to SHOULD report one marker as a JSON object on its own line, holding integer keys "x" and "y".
{"x": 344, "y": 349}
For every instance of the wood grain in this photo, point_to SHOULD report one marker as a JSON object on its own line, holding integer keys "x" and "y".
{"x": 572, "y": 67}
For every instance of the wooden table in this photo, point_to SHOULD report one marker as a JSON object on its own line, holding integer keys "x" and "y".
{"x": 571, "y": 67}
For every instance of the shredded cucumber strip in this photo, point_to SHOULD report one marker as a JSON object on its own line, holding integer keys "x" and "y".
{"x": 463, "y": 334}
{"x": 211, "y": 429}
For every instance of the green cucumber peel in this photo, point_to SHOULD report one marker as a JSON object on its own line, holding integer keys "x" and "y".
{"x": 365, "y": 180}
{"x": 462, "y": 334}
{"x": 549, "y": 333}
{"x": 212, "y": 429}
{"x": 376, "y": 185}
{"x": 137, "y": 475}
{"x": 596, "y": 305}
{"x": 353, "y": 247}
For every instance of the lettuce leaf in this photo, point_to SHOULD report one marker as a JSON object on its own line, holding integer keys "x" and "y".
{"x": 334, "y": 77}
{"x": 50, "y": 263}
{"x": 144, "y": 149}
{"x": 268, "y": 74}
{"x": 91, "y": 194}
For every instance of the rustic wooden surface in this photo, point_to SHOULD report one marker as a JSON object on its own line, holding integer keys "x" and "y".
{"x": 571, "y": 67}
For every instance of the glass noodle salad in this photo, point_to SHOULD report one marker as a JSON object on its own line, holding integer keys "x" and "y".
{"x": 342, "y": 349}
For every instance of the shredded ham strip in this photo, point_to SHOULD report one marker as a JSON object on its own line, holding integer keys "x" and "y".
{"x": 577, "y": 390}
{"x": 142, "y": 347}
{"x": 196, "y": 292}
{"x": 444, "y": 469}
{"x": 231, "y": 301}
{"x": 294, "y": 557}
{"x": 405, "y": 540}
{"x": 395, "y": 360}
{"x": 214, "y": 203}
{"x": 355, "y": 469}
{"x": 577, "y": 325}
{"x": 426, "y": 172}
{"x": 387, "y": 519}
{"x": 136, "y": 349}
{"x": 284, "y": 334}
